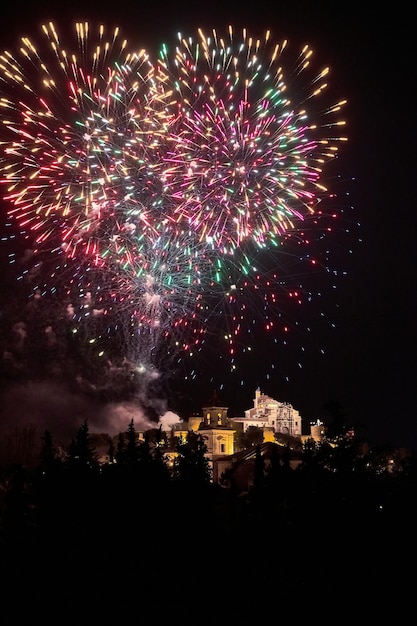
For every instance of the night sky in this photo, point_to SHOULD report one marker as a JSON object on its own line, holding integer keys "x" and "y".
{"x": 369, "y": 368}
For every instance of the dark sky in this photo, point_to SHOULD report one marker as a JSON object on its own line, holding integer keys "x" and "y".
{"x": 370, "y": 366}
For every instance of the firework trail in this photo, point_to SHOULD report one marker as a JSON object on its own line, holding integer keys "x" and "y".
{"x": 181, "y": 194}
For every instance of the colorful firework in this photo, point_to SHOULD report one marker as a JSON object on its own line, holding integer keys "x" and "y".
{"x": 179, "y": 194}
{"x": 80, "y": 136}
{"x": 247, "y": 160}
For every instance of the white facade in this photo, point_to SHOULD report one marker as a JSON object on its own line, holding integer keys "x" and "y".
{"x": 269, "y": 413}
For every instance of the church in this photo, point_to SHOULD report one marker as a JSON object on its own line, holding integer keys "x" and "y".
{"x": 267, "y": 413}
{"x": 219, "y": 431}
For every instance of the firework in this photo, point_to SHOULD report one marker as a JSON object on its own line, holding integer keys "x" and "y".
{"x": 252, "y": 130}
{"x": 248, "y": 144}
{"x": 80, "y": 135}
{"x": 178, "y": 197}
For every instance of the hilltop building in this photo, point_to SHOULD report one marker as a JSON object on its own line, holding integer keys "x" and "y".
{"x": 214, "y": 425}
{"x": 275, "y": 416}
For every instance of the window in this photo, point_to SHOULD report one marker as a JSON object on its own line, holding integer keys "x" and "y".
{"x": 222, "y": 448}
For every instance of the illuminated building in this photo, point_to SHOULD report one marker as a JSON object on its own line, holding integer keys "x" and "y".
{"x": 270, "y": 414}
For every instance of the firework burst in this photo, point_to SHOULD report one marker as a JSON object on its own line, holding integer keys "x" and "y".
{"x": 183, "y": 196}
{"x": 80, "y": 138}
{"x": 249, "y": 147}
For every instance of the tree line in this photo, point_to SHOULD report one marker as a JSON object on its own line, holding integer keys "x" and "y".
{"x": 140, "y": 509}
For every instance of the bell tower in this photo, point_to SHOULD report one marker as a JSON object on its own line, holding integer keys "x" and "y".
{"x": 215, "y": 415}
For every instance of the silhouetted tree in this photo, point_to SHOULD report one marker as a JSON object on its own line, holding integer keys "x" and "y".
{"x": 47, "y": 456}
{"x": 257, "y": 490}
{"x": 172, "y": 439}
{"x": 250, "y": 438}
{"x": 111, "y": 451}
{"x": 82, "y": 452}
{"x": 274, "y": 471}
{"x": 131, "y": 453}
{"x": 258, "y": 477}
{"x": 156, "y": 460}
{"x": 120, "y": 449}
{"x": 191, "y": 464}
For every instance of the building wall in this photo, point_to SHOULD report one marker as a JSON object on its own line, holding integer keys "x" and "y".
{"x": 219, "y": 441}
{"x": 269, "y": 413}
